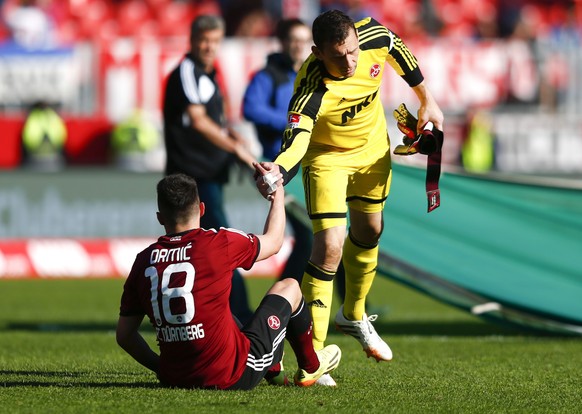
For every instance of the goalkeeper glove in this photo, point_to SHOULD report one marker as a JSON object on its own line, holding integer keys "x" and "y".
{"x": 429, "y": 142}
{"x": 412, "y": 143}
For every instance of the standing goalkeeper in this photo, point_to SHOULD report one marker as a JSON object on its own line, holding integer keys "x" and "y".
{"x": 336, "y": 131}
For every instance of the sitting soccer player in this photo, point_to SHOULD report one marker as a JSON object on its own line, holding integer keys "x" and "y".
{"x": 182, "y": 283}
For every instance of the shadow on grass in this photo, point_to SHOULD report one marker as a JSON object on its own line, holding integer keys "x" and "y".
{"x": 458, "y": 329}
{"x": 64, "y": 327}
{"x": 67, "y": 379}
{"x": 60, "y": 326}
{"x": 418, "y": 328}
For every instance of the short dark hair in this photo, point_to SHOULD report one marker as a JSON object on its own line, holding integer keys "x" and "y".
{"x": 331, "y": 27}
{"x": 206, "y": 22}
{"x": 177, "y": 198}
{"x": 285, "y": 26}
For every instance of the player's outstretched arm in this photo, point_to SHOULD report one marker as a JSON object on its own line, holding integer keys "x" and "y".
{"x": 274, "y": 231}
{"x": 129, "y": 338}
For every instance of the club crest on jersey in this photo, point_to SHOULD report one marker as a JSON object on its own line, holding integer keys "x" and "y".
{"x": 274, "y": 322}
{"x": 293, "y": 121}
{"x": 375, "y": 70}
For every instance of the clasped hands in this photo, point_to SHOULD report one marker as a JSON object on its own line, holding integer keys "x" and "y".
{"x": 268, "y": 178}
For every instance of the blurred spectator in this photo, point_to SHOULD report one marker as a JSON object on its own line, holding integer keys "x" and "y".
{"x": 526, "y": 26}
{"x": 198, "y": 142}
{"x": 132, "y": 140}
{"x": 485, "y": 21}
{"x": 43, "y": 139}
{"x": 414, "y": 22}
{"x": 428, "y": 18}
{"x": 269, "y": 92}
{"x": 246, "y": 18}
{"x": 508, "y": 17}
{"x": 356, "y": 9}
{"x": 274, "y": 8}
{"x": 477, "y": 154}
{"x": 564, "y": 32}
{"x": 360, "y": 9}
{"x": 256, "y": 23}
{"x": 559, "y": 48}
{"x": 29, "y": 25}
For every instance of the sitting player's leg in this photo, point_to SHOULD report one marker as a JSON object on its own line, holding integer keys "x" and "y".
{"x": 266, "y": 330}
{"x": 312, "y": 365}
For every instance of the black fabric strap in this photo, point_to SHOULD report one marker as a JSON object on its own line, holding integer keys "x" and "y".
{"x": 433, "y": 169}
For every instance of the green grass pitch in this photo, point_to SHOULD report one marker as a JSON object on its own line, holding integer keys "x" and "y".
{"x": 58, "y": 354}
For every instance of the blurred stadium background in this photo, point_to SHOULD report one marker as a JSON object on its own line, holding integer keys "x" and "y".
{"x": 511, "y": 68}
{"x": 507, "y": 74}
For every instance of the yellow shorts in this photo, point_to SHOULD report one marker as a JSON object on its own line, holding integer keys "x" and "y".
{"x": 330, "y": 179}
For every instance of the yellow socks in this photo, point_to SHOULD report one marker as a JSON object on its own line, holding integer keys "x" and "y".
{"x": 360, "y": 263}
{"x": 317, "y": 288}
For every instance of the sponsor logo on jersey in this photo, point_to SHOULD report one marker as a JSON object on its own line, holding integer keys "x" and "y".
{"x": 293, "y": 121}
{"x": 274, "y": 322}
{"x": 375, "y": 70}
{"x": 180, "y": 333}
{"x": 352, "y": 111}
{"x": 317, "y": 303}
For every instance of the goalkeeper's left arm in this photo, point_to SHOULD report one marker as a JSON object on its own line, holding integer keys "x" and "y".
{"x": 429, "y": 110}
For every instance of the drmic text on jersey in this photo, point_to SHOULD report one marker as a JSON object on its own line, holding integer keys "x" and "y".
{"x": 178, "y": 254}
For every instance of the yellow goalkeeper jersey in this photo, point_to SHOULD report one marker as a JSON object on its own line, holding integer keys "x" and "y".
{"x": 328, "y": 114}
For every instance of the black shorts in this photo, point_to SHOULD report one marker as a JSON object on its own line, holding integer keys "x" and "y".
{"x": 266, "y": 331}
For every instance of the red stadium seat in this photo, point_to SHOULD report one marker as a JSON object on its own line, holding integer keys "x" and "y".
{"x": 95, "y": 15}
{"x": 4, "y": 32}
{"x": 131, "y": 16}
{"x": 175, "y": 19}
